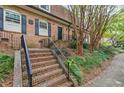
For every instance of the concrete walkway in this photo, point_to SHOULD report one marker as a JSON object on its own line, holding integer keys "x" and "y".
{"x": 113, "y": 76}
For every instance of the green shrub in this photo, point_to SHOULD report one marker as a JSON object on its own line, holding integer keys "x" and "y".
{"x": 107, "y": 43}
{"x": 6, "y": 65}
{"x": 96, "y": 58}
{"x": 74, "y": 68}
{"x": 89, "y": 62}
{"x": 109, "y": 50}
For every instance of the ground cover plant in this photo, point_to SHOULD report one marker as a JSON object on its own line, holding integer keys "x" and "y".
{"x": 79, "y": 65}
{"x": 6, "y": 66}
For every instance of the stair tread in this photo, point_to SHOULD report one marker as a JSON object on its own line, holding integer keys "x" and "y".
{"x": 43, "y": 62}
{"x": 49, "y": 73}
{"x": 45, "y": 69}
{"x": 52, "y": 81}
{"x": 43, "y": 57}
{"x": 44, "y": 76}
{"x": 40, "y": 64}
{"x": 34, "y": 49}
{"x": 42, "y": 68}
{"x": 42, "y": 53}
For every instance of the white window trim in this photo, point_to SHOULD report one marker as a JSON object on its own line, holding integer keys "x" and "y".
{"x": 13, "y": 12}
{"x": 45, "y": 9}
{"x": 41, "y": 28}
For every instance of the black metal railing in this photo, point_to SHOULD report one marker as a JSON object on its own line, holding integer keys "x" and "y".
{"x": 27, "y": 59}
{"x": 60, "y": 55}
{"x": 51, "y": 42}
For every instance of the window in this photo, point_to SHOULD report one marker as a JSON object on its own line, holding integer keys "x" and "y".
{"x": 43, "y": 25}
{"x": 12, "y": 17}
{"x": 45, "y": 7}
{"x": 30, "y": 22}
{"x": 43, "y": 28}
{"x": 12, "y": 20}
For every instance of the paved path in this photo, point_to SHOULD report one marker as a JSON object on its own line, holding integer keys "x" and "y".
{"x": 113, "y": 76}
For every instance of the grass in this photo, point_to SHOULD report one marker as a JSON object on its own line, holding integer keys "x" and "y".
{"x": 6, "y": 66}
{"x": 89, "y": 61}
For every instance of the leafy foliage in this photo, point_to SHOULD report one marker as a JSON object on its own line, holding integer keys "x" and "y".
{"x": 73, "y": 43}
{"x": 115, "y": 28}
{"x": 6, "y": 65}
{"x": 74, "y": 68}
{"x": 89, "y": 61}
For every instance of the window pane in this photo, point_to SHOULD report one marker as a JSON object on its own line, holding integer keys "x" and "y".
{"x": 46, "y": 7}
{"x": 30, "y": 22}
{"x": 43, "y": 25}
{"x": 12, "y": 17}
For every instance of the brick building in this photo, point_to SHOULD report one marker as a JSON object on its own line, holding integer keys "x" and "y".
{"x": 37, "y": 22}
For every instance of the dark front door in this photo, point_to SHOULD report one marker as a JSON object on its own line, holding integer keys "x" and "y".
{"x": 49, "y": 30}
{"x": 59, "y": 33}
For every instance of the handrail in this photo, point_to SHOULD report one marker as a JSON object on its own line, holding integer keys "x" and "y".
{"x": 68, "y": 71}
{"x": 57, "y": 48}
{"x": 28, "y": 63}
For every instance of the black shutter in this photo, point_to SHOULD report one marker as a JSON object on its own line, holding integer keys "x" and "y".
{"x": 36, "y": 26}
{"x": 24, "y": 21}
{"x": 1, "y": 19}
{"x": 49, "y": 30}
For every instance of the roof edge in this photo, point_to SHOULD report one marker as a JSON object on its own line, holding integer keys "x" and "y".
{"x": 31, "y": 6}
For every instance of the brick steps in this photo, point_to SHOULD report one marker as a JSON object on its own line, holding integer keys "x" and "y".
{"x": 52, "y": 82}
{"x": 32, "y": 50}
{"x": 33, "y": 55}
{"x": 42, "y": 78}
{"x": 43, "y": 70}
{"x": 40, "y": 64}
{"x": 40, "y": 59}
{"x": 46, "y": 71}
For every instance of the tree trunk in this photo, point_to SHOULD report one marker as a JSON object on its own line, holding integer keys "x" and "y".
{"x": 80, "y": 47}
{"x": 80, "y": 43}
{"x": 91, "y": 48}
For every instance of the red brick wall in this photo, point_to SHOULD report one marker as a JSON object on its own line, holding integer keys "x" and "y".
{"x": 32, "y": 39}
{"x": 60, "y": 11}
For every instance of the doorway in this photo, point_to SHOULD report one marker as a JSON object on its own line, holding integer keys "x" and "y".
{"x": 59, "y": 33}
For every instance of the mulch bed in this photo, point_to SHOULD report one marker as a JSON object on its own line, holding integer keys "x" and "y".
{"x": 89, "y": 76}
{"x": 8, "y": 82}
